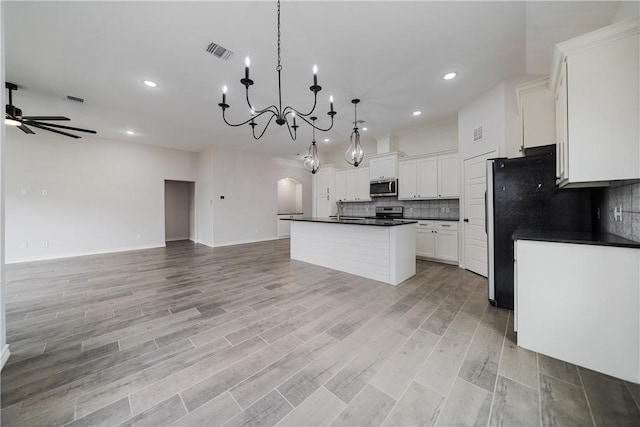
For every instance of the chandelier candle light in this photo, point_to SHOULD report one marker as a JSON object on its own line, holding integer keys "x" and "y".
{"x": 354, "y": 153}
{"x": 277, "y": 111}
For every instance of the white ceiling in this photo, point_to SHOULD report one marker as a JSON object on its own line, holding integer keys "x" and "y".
{"x": 390, "y": 54}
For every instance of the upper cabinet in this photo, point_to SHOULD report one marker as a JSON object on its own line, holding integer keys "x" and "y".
{"x": 536, "y": 104}
{"x": 382, "y": 167}
{"x": 429, "y": 177}
{"x": 353, "y": 185}
{"x": 597, "y": 96}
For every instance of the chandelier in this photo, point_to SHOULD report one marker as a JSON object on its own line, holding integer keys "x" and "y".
{"x": 311, "y": 160}
{"x": 281, "y": 115}
{"x": 355, "y": 152}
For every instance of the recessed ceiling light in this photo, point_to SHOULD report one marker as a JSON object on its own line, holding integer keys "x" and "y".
{"x": 130, "y": 132}
{"x": 449, "y": 76}
{"x": 364, "y": 129}
{"x": 327, "y": 140}
{"x": 150, "y": 83}
{"x": 417, "y": 113}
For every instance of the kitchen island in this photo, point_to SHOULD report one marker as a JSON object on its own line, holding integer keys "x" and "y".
{"x": 378, "y": 249}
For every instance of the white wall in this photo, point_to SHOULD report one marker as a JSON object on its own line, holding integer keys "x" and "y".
{"x": 288, "y": 191}
{"x": 429, "y": 138}
{"x": 626, "y": 10}
{"x": 249, "y": 184}
{"x": 177, "y": 210}
{"x": 102, "y": 196}
{"x": 4, "y": 349}
{"x": 204, "y": 198}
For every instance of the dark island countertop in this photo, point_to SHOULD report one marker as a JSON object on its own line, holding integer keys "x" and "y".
{"x": 581, "y": 238}
{"x": 355, "y": 221}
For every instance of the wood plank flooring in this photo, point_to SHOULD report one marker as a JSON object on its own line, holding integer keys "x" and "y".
{"x": 192, "y": 336}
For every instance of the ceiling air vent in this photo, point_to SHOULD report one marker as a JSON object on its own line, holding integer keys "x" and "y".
{"x": 75, "y": 99}
{"x": 219, "y": 51}
{"x": 478, "y": 134}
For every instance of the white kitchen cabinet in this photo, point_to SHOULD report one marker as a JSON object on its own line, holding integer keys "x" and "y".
{"x": 429, "y": 178}
{"x": 580, "y": 303}
{"x": 536, "y": 105}
{"x": 383, "y": 167}
{"x": 595, "y": 81}
{"x": 353, "y": 185}
{"x": 437, "y": 240}
{"x": 425, "y": 239}
{"x": 449, "y": 176}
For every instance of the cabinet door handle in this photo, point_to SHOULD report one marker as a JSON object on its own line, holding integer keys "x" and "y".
{"x": 466, "y": 220}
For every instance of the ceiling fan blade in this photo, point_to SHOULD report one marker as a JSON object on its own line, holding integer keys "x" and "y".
{"x": 45, "y": 118}
{"x": 60, "y": 126}
{"x": 25, "y": 129}
{"x": 40, "y": 126}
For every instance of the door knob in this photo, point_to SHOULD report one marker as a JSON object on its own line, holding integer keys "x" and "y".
{"x": 466, "y": 220}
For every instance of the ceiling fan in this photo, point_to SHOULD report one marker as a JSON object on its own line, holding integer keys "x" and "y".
{"x": 13, "y": 117}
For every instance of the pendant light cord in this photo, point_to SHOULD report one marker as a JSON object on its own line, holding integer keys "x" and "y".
{"x": 279, "y": 67}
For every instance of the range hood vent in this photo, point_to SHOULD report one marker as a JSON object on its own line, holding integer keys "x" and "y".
{"x": 219, "y": 51}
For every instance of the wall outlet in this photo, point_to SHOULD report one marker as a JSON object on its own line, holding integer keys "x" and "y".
{"x": 23, "y": 192}
{"x": 24, "y": 245}
{"x": 617, "y": 213}
{"x": 45, "y": 244}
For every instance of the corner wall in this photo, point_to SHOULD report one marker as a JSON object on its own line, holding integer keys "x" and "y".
{"x": 249, "y": 184}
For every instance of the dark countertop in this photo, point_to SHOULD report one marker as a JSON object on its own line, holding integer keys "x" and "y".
{"x": 581, "y": 238}
{"x": 291, "y": 213}
{"x": 355, "y": 221}
{"x": 433, "y": 219}
{"x": 405, "y": 218}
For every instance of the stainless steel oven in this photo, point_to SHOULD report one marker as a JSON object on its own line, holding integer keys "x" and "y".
{"x": 383, "y": 187}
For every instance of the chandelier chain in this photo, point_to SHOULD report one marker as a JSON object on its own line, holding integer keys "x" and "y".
{"x": 279, "y": 67}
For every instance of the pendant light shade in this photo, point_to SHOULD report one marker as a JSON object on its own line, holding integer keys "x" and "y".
{"x": 355, "y": 153}
{"x": 311, "y": 160}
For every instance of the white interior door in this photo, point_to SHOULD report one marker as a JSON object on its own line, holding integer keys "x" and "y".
{"x": 475, "y": 236}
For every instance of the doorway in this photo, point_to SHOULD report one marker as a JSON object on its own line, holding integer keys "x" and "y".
{"x": 289, "y": 204}
{"x": 179, "y": 210}
{"x": 475, "y": 236}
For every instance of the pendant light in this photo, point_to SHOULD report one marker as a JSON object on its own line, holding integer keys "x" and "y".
{"x": 311, "y": 160}
{"x": 354, "y": 153}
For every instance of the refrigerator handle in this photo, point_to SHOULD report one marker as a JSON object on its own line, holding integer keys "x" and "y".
{"x": 486, "y": 213}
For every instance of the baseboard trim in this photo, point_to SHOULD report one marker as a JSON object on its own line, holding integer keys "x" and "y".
{"x": 5, "y": 356}
{"x": 179, "y": 238}
{"x": 78, "y": 254}
{"x": 242, "y": 242}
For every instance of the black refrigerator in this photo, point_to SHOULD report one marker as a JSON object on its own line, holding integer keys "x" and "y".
{"x": 522, "y": 194}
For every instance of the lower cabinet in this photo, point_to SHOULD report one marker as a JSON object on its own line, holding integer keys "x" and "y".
{"x": 437, "y": 240}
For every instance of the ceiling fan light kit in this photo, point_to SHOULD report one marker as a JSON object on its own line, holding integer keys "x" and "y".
{"x": 13, "y": 117}
{"x": 276, "y": 111}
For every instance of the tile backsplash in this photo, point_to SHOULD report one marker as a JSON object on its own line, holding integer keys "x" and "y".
{"x": 625, "y": 195}
{"x": 435, "y": 209}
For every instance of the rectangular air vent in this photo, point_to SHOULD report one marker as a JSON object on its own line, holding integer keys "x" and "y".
{"x": 219, "y": 51}
{"x": 478, "y": 134}
{"x": 75, "y": 99}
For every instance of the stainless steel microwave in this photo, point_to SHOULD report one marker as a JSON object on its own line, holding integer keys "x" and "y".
{"x": 383, "y": 187}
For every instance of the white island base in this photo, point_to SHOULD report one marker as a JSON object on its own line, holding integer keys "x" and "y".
{"x": 383, "y": 253}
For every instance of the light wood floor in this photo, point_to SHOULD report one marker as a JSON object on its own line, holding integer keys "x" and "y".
{"x": 242, "y": 335}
